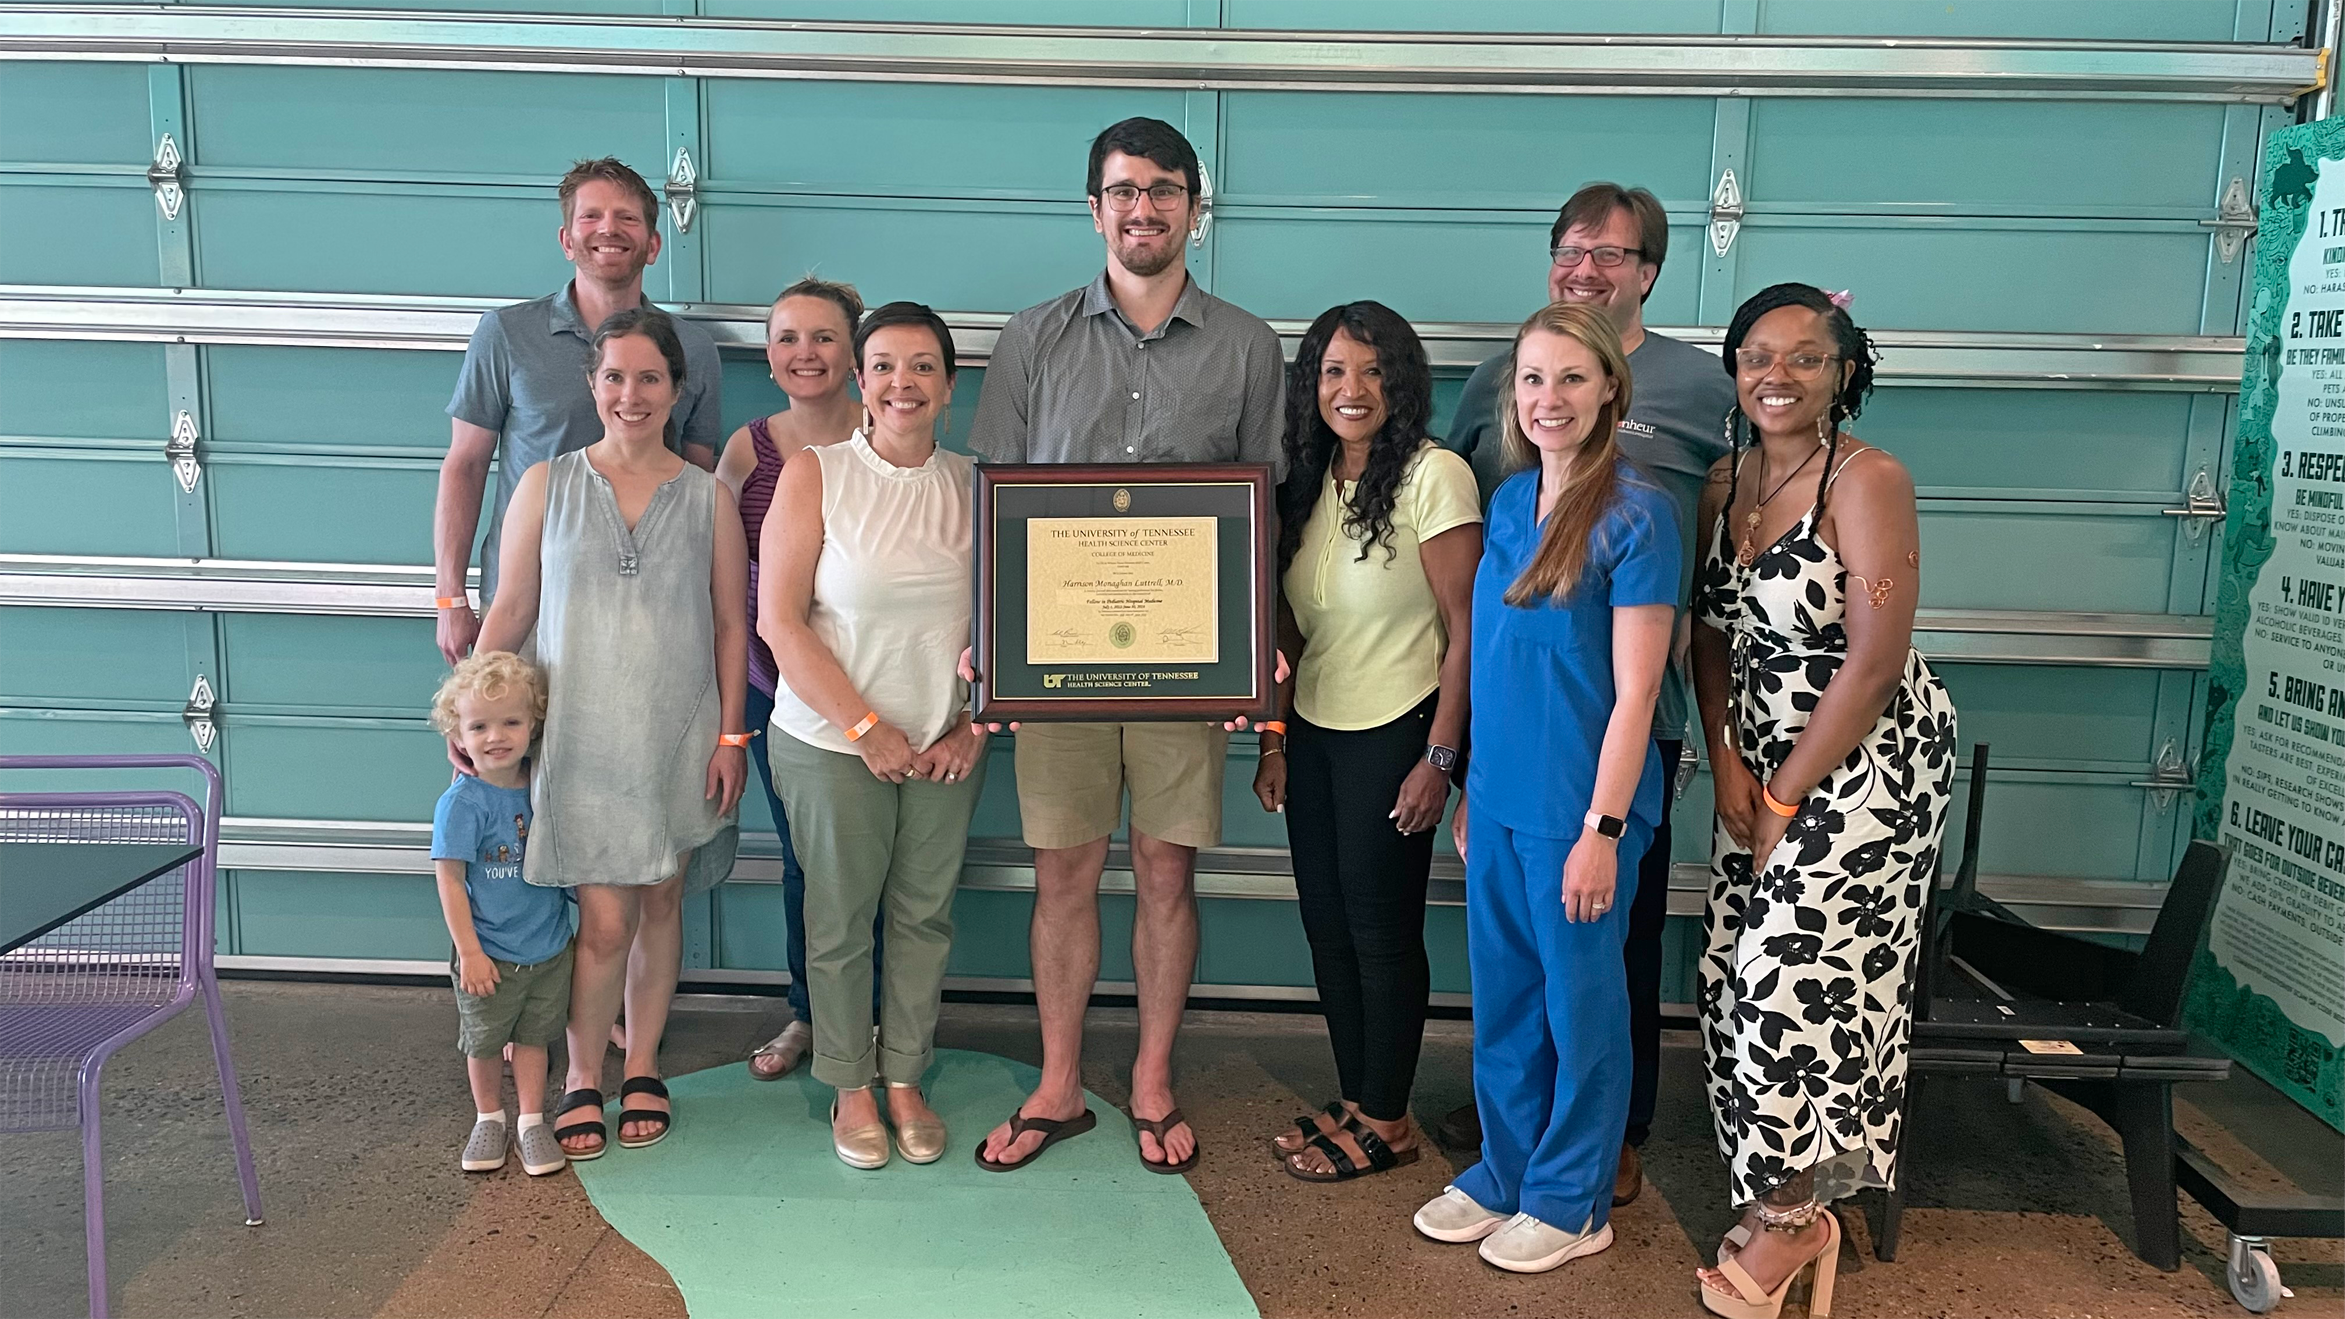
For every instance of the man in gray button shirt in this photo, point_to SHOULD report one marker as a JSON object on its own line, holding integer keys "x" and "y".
{"x": 1606, "y": 250}
{"x": 523, "y": 396}
{"x": 1141, "y": 365}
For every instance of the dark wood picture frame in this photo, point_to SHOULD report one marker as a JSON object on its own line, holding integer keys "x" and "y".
{"x": 1236, "y": 687}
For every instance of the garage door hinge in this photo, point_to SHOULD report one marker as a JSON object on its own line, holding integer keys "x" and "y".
{"x": 2170, "y": 774}
{"x": 1725, "y": 213}
{"x": 165, "y": 176}
{"x": 1204, "y": 224}
{"x": 198, "y": 714}
{"x": 2202, "y": 505}
{"x": 2234, "y": 220}
{"x": 683, "y": 191}
{"x": 180, "y": 449}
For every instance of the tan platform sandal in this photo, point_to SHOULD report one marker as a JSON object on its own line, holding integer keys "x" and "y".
{"x": 1752, "y": 1303}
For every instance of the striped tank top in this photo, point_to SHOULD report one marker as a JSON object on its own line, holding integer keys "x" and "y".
{"x": 757, "y": 495}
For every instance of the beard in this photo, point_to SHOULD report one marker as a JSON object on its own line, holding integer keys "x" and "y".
{"x": 1146, "y": 261}
{"x": 1610, "y": 307}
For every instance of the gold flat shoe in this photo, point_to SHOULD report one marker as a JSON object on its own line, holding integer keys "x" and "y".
{"x": 921, "y": 1140}
{"x": 864, "y": 1147}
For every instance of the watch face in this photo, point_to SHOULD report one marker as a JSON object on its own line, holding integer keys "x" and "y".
{"x": 1442, "y": 758}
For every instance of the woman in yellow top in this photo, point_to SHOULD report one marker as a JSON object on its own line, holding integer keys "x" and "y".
{"x": 1380, "y": 533}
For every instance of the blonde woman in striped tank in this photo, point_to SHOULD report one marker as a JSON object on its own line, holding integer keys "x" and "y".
{"x": 809, "y": 347}
{"x": 865, "y": 601}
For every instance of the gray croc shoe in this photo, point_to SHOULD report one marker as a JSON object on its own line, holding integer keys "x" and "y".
{"x": 541, "y": 1154}
{"x": 484, "y": 1151}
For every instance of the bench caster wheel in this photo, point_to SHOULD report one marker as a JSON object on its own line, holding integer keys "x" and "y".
{"x": 2254, "y": 1278}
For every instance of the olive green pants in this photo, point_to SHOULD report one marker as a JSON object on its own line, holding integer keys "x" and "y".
{"x": 869, "y": 848}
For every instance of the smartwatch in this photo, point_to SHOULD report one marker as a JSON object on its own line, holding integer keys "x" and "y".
{"x": 1441, "y": 758}
{"x": 1608, "y": 826}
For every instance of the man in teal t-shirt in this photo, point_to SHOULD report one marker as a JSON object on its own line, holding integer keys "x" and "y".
{"x": 1606, "y": 250}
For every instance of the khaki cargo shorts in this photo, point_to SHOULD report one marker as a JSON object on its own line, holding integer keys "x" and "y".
{"x": 1071, "y": 781}
{"x": 530, "y": 1006}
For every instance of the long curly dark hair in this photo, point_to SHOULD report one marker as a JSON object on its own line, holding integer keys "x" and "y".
{"x": 1311, "y": 446}
{"x": 1850, "y": 343}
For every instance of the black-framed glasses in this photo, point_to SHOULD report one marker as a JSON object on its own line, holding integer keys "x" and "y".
{"x": 1124, "y": 196}
{"x": 1568, "y": 256}
{"x": 1799, "y": 366}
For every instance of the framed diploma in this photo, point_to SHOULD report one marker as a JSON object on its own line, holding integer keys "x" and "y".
{"x": 1123, "y": 591}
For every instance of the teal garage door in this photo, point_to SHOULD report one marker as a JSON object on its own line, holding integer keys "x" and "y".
{"x": 241, "y": 248}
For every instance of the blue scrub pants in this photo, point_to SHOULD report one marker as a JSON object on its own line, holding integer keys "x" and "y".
{"x": 1552, "y": 1063}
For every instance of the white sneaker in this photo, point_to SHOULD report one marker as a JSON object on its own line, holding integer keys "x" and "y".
{"x": 1455, "y": 1216}
{"x": 1526, "y": 1245}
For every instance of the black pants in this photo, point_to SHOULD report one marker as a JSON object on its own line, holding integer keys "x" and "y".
{"x": 1647, "y": 917}
{"x": 1361, "y": 883}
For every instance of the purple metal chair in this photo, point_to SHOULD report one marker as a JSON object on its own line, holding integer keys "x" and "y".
{"x": 73, "y": 996}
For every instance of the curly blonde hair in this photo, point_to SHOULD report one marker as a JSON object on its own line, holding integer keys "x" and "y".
{"x": 490, "y": 674}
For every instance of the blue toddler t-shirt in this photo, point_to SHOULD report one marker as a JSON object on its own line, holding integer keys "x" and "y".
{"x": 486, "y": 827}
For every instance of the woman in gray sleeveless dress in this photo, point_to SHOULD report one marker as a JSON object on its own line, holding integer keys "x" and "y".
{"x": 629, "y": 564}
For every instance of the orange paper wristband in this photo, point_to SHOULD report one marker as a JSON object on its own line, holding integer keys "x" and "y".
{"x": 1778, "y": 807}
{"x": 870, "y": 721}
{"x": 1277, "y": 726}
{"x": 734, "y": 739}
{"x": 450, "y": 602}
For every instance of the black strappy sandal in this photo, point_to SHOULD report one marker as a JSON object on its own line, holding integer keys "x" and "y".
{"x": 643, "y": 1085}
{"x": 1381, "y": 1156}
{"x": 591, "y": 1100}
{"x": 1308, "y": 1126}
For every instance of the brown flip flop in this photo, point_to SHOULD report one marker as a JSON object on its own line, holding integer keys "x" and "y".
{"x": 1157, "y": 1127}
{"x": 1053, "y": 1131}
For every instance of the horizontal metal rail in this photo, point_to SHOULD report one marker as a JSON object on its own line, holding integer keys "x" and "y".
{"x": 715, "y": 980}
{"x": 1005, "y": 865}
{"x": 1192, "y": 59}
{"x": 2195, "y": 363}
{"x": 236, "y": 586}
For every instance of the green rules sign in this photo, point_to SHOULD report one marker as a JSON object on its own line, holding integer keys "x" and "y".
{"x": 2270, "y": 984}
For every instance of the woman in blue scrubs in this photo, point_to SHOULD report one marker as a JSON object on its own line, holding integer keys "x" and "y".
{"x": 1573, "y": 608}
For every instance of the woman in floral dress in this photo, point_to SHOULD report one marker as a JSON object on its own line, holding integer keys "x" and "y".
{"x": 1832, "y": 747}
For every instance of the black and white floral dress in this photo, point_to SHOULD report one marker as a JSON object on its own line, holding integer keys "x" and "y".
{"x": 1807, "y": 977}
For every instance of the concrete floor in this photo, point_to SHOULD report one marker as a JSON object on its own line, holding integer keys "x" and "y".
{"x": 357, "y": 1104}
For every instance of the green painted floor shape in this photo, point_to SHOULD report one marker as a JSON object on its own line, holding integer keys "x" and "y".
{"x": 751, "y": 1213}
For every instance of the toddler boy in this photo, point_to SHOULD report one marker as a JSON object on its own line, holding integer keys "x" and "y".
{"x": 512, "y": 962}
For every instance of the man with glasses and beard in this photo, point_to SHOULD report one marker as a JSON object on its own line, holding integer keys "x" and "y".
{"x": 522, "y": 397}
{"x": 1605, "y": 250}
{"x": 1138, "y": 366}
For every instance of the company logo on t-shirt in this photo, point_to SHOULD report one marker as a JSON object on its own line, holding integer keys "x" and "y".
{"x": 1640, "y": 427}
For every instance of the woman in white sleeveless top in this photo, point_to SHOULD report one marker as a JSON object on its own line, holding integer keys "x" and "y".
{"x": 865, "y": 602}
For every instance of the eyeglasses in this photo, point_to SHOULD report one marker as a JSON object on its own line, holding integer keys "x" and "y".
{"x": 1568, "y": 257}
{"x": 1799, "y": 366}
{"x": 1124, "y": 196}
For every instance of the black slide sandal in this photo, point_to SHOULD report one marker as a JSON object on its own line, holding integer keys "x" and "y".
{"x": 1381, "y": 1157}
{"x": 643, "y": 1085}
{"x": 571, "y": 1103}
{"x": 1053, "y": 1131}
{"x": 1308, "y": 1127}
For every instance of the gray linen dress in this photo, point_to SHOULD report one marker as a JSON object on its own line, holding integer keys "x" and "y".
{"x": 626, "y": 635}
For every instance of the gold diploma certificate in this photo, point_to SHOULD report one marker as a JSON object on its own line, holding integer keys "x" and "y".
{"x": 1122, "y": 590}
